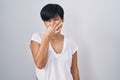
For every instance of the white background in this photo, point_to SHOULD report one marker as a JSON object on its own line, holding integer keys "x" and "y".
{"x": 94, "y": 24}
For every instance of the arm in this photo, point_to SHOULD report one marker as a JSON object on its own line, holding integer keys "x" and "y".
{"x": 40, "y": 51}
{"x": 74, "y": 67}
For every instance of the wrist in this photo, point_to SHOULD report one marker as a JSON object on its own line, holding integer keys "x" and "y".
{"x": 46, "y": 37}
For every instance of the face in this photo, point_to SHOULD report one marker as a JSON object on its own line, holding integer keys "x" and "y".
{"x": 53, "y": 21}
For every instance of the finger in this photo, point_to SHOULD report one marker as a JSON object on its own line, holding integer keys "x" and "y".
{"x": 58, "y": 30}
{"x": 58, "y": 26}
{"x": 50, "y": 28}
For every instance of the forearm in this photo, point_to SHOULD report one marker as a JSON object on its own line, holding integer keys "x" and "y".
{"x": 42, "y": 53}
{"x": 74, "y": 68}
{"x": 75, "y": 74}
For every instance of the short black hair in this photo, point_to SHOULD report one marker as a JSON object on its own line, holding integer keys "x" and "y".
{"x": 50, "y": 11}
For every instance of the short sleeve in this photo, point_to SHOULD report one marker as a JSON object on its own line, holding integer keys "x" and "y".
{"x": 73, "y": 46}
{"x": 36, "y": 37}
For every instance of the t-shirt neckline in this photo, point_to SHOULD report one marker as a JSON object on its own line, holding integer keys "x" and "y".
{"x": 64, "y": 43}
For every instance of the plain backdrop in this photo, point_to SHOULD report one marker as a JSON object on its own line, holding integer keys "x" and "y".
{"x": 94, "y": 24}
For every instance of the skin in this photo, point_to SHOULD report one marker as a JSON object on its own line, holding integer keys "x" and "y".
{"x": 52, "y": 35}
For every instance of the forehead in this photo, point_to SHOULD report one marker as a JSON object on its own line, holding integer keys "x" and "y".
{"x": 55, "y": 18}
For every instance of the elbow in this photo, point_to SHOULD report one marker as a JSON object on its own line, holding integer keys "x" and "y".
{"x": 40, "y": 64}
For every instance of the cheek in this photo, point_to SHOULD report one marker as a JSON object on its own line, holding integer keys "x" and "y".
{"x": 47, "y": 24}
{"x": 58, "y": 21}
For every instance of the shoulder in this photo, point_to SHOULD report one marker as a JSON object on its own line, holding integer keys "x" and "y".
{"x": 71, "y": 40}
{"x": 72, "y": 45}
{"x": 36, "y": 36}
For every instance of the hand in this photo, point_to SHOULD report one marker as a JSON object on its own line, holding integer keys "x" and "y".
{"x": 52, "y": 30}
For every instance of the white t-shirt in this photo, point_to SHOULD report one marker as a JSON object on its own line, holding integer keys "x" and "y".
{"x": 58, "y": 66}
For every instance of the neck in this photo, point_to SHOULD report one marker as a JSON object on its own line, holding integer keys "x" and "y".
{"x": 57, "y": 37}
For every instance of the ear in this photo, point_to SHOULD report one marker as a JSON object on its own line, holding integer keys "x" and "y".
{"x": 63, "y": 19}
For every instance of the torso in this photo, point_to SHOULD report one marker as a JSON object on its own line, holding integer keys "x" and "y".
{"x": 57, "y": 44}
{"x": 59, "y": 62}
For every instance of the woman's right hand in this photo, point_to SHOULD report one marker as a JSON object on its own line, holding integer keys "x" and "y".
{"x": 54, "y": 29}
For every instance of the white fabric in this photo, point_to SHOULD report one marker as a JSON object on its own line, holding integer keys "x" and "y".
{"x": 58, "y": 66}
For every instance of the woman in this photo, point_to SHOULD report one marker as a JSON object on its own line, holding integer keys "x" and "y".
{"x": 54, "y": 54}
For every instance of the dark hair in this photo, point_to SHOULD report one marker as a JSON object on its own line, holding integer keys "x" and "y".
{"x": 51, "y": 11}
